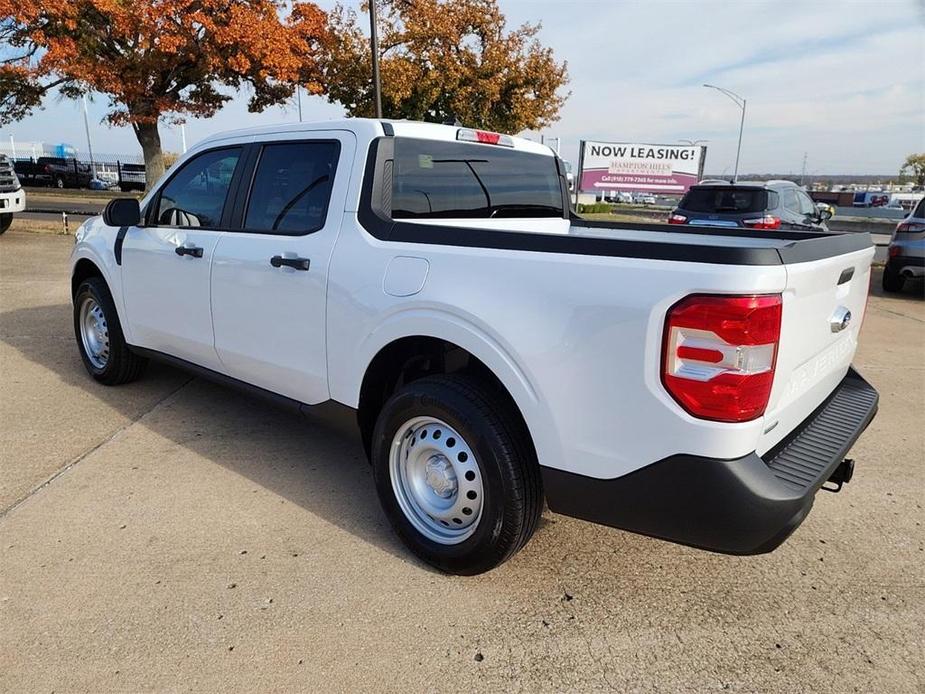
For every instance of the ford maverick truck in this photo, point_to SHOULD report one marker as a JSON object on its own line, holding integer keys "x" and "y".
{"x": 494, "y": 351}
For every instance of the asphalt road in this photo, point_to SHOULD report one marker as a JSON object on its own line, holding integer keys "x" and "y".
{"x": 172, "y": 535}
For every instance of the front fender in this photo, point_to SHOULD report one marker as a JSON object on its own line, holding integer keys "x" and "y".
{"x": 95, "y": 243}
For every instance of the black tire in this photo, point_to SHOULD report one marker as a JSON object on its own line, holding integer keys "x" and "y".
{"x": 892, "y": 280}
{"x": 512, "y": 488}
{"x": 5, "y": 221}
{"x": 122, "y": 365}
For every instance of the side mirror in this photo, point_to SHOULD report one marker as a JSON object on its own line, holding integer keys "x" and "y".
{"x": 122, "y": 212}
{"x": 824, "y": 211}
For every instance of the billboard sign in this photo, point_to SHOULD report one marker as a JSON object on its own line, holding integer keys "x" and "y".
{"x": 639, "y": 167}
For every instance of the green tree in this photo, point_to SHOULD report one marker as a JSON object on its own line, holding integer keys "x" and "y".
{"x": 445, "y": 59}
{"x": 914, "y": 166}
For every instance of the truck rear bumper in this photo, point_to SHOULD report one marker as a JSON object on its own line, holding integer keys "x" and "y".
{"x": 747, "y": 505}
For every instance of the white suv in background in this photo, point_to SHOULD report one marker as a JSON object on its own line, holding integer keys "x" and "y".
{"x": 12, "y": 196}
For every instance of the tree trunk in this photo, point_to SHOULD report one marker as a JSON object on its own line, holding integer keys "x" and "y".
{"x": 150, "y": 140}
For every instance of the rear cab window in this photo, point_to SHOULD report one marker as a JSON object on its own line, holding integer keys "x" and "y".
{"x": 436, "y": 179}
{"x": 731, "y": 199}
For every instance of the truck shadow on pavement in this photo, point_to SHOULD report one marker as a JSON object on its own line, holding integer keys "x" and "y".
{"x": 302, "y": 461}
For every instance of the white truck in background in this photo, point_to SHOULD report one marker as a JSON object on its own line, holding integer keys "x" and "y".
{"x": 12, "y": 196}
{"x": 493, "y": 350}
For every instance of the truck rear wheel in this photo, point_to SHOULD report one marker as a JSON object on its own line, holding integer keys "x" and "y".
{"x": 102, "y": 346}
{"x": 456, "y": 474}
{"x": 5, "y": 221}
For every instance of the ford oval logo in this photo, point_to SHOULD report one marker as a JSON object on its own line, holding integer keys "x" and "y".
{"x": 840, "y": 320}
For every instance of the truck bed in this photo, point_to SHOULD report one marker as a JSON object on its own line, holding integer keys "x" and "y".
{"x": 723, "y": 246}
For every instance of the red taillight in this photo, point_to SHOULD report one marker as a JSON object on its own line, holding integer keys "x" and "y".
{"x": 766, "y": 222}
{"x": 893, "y": 251}
{"x": 675, "y": 218}
{"x": 720, "y": 353}
{"x": 47, "y": 168}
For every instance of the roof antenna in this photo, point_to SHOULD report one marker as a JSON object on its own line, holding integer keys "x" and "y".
{"x": 452, "y": 120}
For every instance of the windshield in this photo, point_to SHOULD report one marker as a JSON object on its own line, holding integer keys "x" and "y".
{"x": 728, "y": 199}
{"x": 435, "y": 179}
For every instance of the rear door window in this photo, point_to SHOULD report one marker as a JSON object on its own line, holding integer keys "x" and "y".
{"x": 716, "y": 200}
{"x": 791, "y": 203}
{"x": 432, "y": 179}
{"x": 292, "y": 187}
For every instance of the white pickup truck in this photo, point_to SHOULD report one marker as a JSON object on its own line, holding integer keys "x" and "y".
{"x": 493, "y": 350}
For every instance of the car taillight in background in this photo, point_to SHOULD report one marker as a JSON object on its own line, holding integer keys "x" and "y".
{"x": 675, "y": 218}
{"x": 893, "y": 251}
{"x": 909, "y": 228}
{"x": 720, "y": 353}
{"x": 766, "y": 222}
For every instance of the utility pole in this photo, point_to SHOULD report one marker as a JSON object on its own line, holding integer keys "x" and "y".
{"x": 87, "y": 128}
{"x": 183, "y": 137}
{"x": 298, "y": 95}
{"x": 803, "y": 172}
{"x": 374, "y": 47}
{"x": 740, "y": 102}
{"x": 12, "y": 147}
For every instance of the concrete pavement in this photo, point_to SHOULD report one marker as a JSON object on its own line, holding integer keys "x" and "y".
{"x": 172, "y": 535}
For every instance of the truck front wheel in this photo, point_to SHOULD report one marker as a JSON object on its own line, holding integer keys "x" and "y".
{"x": 456, "y": 473}
{"x": 102, "y": 346}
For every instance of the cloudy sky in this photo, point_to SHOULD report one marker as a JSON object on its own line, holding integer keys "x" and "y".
{"x": 842, "y": 81}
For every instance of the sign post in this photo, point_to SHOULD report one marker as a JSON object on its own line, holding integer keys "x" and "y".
{"x": 581, "y": 164}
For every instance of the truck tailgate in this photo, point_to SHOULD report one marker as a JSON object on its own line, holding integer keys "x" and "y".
{"x": 823, "y": 307}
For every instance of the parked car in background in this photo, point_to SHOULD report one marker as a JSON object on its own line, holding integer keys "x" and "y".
{"x": 59, "y": 172}
{"x": 871, "y": 199}
{"x": 694, "y": 387}
{"x": 132, "y": 177}
{"x": 752, "y": 205}
{"x": 618, "y": 197}
{"x": 12, "y": 196}
{"x": 906, "y": 254}
{"x": 647, "y": 199}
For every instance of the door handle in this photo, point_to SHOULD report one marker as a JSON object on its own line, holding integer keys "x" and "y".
{"x": 297, "y": 263}
{"x": 194, "y": 251}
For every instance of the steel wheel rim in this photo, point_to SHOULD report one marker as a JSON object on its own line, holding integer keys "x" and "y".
{"x": 436, "y": 480}
{"x": 94, "y": 332}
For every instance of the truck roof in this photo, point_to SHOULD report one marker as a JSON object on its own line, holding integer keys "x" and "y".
{"x": 369, "y": 128}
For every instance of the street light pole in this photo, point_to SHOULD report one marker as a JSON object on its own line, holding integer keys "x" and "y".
{"x": 740, "y": 102}
{"x": 87, "y": 128}
{"x": 374, "y": 47}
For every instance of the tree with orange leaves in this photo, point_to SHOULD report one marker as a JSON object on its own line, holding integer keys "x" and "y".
{"x": 445, "y": 59}
{"x": 156, "y": 59}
